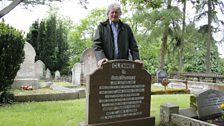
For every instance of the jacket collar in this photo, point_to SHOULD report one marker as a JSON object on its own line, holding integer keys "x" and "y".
{"x": 120, "y": 24}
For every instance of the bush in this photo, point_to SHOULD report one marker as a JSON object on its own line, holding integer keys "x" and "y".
{"x": 6, "y": 97}
{"x": 11, "y": 56}
{"x": 171, "y": 91}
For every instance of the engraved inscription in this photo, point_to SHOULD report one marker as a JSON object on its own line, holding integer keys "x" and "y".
{"x": 122, "y": 97}
{"x": 123, "y": 65}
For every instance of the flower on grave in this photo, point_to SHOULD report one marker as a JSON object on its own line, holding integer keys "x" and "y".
{"x": 221, "y": 106}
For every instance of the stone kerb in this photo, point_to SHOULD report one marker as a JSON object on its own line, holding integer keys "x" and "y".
{"x": 170, "y": 116}
{"x": 118, "y": 94}
{"x": 26, "y": 74}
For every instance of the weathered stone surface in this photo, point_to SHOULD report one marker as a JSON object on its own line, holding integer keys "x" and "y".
{"x": 118, "y": 94}
{"x": 180, "y": 120}
{"x": 207, "y": 104}
{"x": 169, "y": 116}
{"x": 77, "y": 74}
{"x": 160, "y": 75}
{"x": 57, "y": 75}
{"x": 39, "y": 69}
{"x": 61, "y": 88}
{"x": 48, "y": 74}
{"x": 165, "y": 113}
{"x": 189, "y": 112}
{"x": 89, "y": 61}
{"x": 26, "y": 74}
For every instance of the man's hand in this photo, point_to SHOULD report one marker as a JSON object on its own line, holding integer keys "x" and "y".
{"x": 102, "y": 61}
{"x": 139, "y": 61}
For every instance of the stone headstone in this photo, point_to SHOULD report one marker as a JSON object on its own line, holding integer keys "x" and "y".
{"x": 39, "y": 69}
{"x": 48, "y": 74}
{"x": 160, "y": 75}
{"x": 57, "y": 75}
{"x": 207, "y": 104}
{"x": 118, "y": 94}
{"x": 26, "y": 75}
{"x": 89, "y": 62}
{"x": 77, "y": 74}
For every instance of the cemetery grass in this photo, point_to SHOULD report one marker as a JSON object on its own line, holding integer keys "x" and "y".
{"x": 69, "y": 113}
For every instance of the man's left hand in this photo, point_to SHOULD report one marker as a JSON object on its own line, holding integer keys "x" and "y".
{"x": 139, "y": 61}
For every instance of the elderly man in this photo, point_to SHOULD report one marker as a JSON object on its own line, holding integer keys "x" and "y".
{"x": 114, "y": 39}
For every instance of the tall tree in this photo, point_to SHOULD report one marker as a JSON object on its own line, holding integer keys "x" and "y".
{"x": 180, "y": 66}
{"x": 213, "y": 6}
{"x": 164, "y": 39}
{"x": 51, "y": 44}
{"x": 81, "y": 35}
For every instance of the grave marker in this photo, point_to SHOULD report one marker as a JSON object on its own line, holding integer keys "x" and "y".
{"x": 207, "y": 104}
{"x": 160, "y": 75}
{"x": 26, "y": 74}
{"x": 118, "y": 94}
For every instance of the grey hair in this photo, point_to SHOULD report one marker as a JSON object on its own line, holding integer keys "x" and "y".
{"x": 115, "y": 6}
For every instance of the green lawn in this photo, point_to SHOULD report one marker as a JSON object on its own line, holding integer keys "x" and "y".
{"x": 68, "y": 113}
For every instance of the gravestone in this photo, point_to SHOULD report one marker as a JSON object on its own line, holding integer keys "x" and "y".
{"x": 89, "y": 61}
{"x": 207, "y": 104}
{"x": 26, "y": 74}
{"x": 118, "y": 94}
{"x": 77, "y": 74}
{"x": 39, "y": 69}
{"x": 57, "y": 75}
{"x": 48, "y": 74}
{"x": 160, "y": 75}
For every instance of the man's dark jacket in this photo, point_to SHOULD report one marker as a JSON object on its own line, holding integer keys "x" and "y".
{"x": 103, "y": 43}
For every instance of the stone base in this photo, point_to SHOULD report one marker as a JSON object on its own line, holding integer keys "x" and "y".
{"x": 26, "y": 82}
{"x": 147, "y": 121}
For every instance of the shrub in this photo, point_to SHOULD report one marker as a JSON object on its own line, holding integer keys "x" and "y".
{"x": 11, "y": 56}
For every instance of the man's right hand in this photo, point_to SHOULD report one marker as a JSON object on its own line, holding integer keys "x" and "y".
{"x": 102, "y": 61}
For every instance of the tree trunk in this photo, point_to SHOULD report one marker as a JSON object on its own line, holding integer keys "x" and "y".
{"x": 163, "y": 48}
{"x": 10, "y": 7}
{"x": 208, "y": 56}
{"x": 180, "y": 67}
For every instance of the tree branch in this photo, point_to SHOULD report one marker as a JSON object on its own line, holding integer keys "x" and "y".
{"x": 10, "y": 7}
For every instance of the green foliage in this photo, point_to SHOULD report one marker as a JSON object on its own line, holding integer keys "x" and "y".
{"x": 148, "y": 24}
{"x": 81, "y": 36}
{"x": 6, "y": 97}
{"x": 11, "y": 56}
{"x": 49, "y": 39}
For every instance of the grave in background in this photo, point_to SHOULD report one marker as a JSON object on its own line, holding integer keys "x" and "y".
{"x": 118, "y": 94}
{"x": 88, "y": 59}
{"x": 39, "y": 69}
{"x": 26, "y": 75}
{"x": 207, "y": 104}
{"x": 48, "y": 75}
{"x": 57, "y": 75}
{"x": 160, "y": 75}
{"x": 77, "y": 74}
{"x": 203, "y": 111}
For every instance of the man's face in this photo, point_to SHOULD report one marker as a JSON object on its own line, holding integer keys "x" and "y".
{"x": 114, "y": 15}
